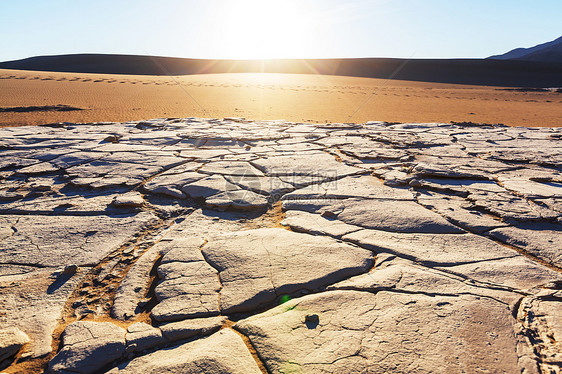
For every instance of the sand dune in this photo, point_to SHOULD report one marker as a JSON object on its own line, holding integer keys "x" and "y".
{"x": 456, "y": 71}
{"x": 294, "y": 97}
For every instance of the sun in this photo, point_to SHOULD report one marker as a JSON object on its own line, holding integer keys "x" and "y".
{"x": 263, "y": 29}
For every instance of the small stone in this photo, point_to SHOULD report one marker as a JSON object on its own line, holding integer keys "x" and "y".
{"x": 25, "y": 355}
{"x": 311, "y": 320}
{"x": 70, "y": 269}
{"x": 130, "y": 199}
{"x": 130, "y": 349}
{"x": 329, "y": 214}
{"x": 82, "y": 311}
{"x": 113, "y": 138}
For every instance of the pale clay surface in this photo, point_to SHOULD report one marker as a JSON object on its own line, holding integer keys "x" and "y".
{"x": 291, "y": 248}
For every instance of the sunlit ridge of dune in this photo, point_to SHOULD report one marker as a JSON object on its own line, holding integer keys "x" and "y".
{"x": 507, "y": 73}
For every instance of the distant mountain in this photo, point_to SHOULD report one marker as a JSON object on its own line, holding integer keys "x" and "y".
{"x": 546, "y": 52}
{"x": 506, "y": 73}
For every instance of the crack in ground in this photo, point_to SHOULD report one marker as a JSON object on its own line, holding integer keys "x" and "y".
{"x": 209, "y": 263}
{"x": 249, "y": 345}
{"x": 407, "y": 292}
{"x": 262, "y": 220}
{"x": 525, "y": 316}
{"x": 164, "y": 170}
{"x": 100, "y": 297}
{"x": 428, "y": 265}
{"x": 484, "y": 234}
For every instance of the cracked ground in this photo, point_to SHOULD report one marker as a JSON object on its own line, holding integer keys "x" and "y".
{"x": 233, "y": 246}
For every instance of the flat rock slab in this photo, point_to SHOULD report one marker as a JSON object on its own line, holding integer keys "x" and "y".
{"x": 458, "y": 210}
{"x": 129, "y": 199}
{"x": 187, "y": 290}
{"x": 44, "y": 241}
{"x": 352, "y": 331}
{"x": 207, "y": 187}
{"x": 469, "y": 255}
{"x": 34, "y": 303}
{"x": 533, "y": 189}
{"x": 257, "y": 266}
{"x": 399, "y": 216}
{"x": 317, "y": 224}
{"x": 361, "y": 186}
{"x": 222, "y": 352}
{"x": 272, "y": 186}
{"x": 544, "y": 243}
{"x": 134, "y": 288}
{"x": 238, "y": 199}
{"x": 189, "y": 286}
{"x": 388, "y": 215}
{"x": 171, "y": 182}
{"x": 86, "y": 203}
{"x": 230, "y": 168}
{"x": 305, "y": 164}
{"x": 189, "y": 328}
{"x": 443, "y": 249}
{"x": 396, "y": 274}
{"x": 141, "y": 337}
{"x": 87, "y": 347}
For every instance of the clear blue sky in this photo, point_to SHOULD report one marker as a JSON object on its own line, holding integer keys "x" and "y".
{"x": 276, "y": 29}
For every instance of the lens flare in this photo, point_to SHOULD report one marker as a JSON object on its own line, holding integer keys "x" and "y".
{"x": 263, "y": 29}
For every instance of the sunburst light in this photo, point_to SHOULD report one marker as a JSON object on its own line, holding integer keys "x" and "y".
{"x": 260, "y": 29}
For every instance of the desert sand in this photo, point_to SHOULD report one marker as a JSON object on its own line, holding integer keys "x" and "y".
{"x": 294, "y": 97}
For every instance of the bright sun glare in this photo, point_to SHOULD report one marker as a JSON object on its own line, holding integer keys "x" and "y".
{"x": 261, "y": 29}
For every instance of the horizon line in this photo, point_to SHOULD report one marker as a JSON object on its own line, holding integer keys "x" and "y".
{"x": 249, "y": 59}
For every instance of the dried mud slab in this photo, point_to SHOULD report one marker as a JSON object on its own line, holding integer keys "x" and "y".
{"x": 227, "y": 245}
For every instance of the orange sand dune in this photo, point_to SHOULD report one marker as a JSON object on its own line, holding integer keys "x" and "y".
{"x": 293, "y": 97}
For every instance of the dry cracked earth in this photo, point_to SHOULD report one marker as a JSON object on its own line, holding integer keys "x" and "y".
{"x": 230, "y": 246}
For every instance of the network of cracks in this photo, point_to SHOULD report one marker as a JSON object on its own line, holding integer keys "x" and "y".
{"x": 207, "y": 245}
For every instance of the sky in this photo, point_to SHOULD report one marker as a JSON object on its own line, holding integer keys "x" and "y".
{"x": 249, "y": 29}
